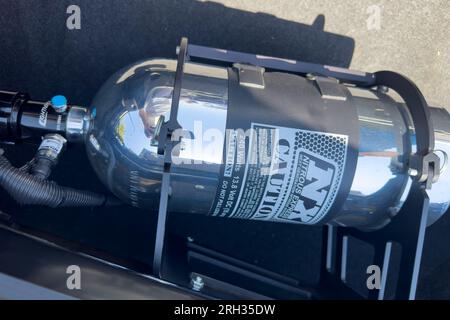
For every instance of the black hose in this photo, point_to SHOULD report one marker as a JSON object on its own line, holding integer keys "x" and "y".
{"x": 27, "y": 189}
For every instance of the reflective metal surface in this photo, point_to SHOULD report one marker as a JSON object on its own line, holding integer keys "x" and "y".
{"x": 129, "y": 109}
{"x": 126, "y": 114}
{"x": 440, "y": 193}
{"x": 77, "y": 123}
{"x": 381, "y": 182}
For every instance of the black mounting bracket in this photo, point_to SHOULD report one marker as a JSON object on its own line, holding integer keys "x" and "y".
{"x": 166, "y": 144}
{"x": 407, "y": 228}
{"x": 397, "y": 251}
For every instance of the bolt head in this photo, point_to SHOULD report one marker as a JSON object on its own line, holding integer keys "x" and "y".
{"x": 197, "y": 283}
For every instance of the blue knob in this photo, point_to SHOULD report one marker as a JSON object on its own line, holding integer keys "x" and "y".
{"x": 59, "y": 102}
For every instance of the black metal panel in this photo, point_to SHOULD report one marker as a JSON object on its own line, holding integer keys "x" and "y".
{"x": 229, "y": 56}
{"x": 45, "y": 264}
{"x": 407, "y": 229}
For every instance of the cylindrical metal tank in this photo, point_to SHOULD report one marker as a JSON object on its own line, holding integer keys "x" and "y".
{"x": 130, "y": 107}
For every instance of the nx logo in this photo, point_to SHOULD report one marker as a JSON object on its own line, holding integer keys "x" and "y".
{"x": 313, "y": 186}
{"x": 73, "y": 22}
{"x": 74, "y": 280}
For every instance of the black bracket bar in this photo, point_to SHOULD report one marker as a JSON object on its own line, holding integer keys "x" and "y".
{"x": 166, "y": 143}
{"x": 424, "y": 164}
{"x": 294, "y": 66}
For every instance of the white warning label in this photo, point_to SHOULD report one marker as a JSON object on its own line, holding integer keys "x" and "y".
{"x": 289, "y": 175}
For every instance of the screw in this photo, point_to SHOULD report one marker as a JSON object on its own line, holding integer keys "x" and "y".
{"x": 197, "y": 283}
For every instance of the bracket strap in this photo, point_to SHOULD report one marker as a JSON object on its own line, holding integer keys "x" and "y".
{"x": 424, "y": 164}
{"x": 165, "y": 147}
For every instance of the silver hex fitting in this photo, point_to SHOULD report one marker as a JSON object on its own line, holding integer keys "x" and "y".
{"x": 77, "y": 123}
{"x": 52, "y": 146}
